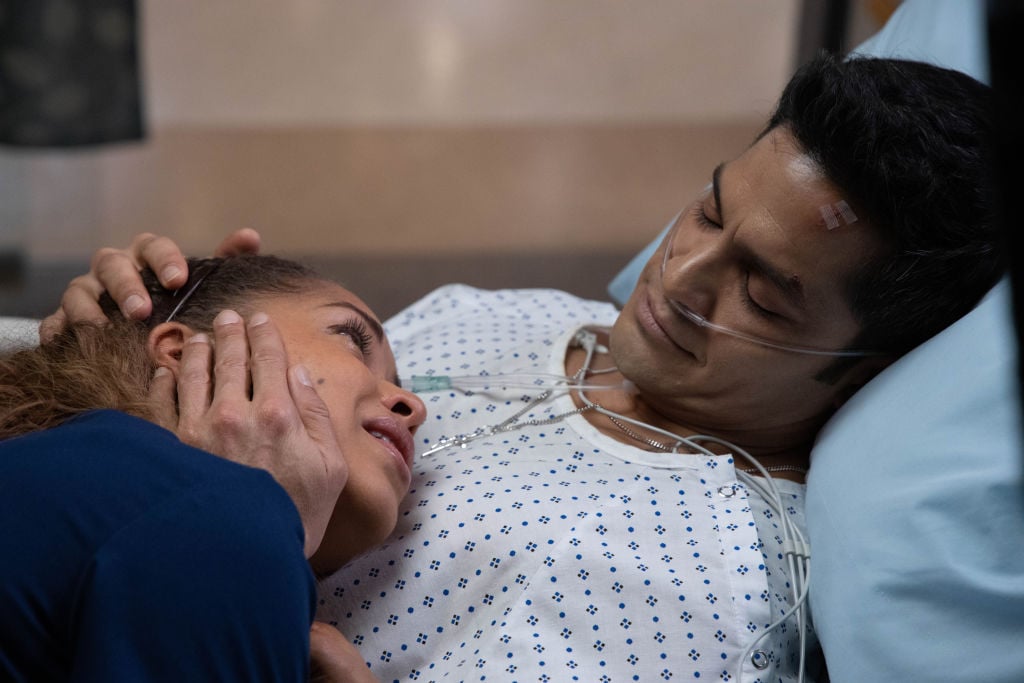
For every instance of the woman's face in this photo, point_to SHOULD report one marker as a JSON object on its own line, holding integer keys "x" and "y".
{"x": 336, "y": 336}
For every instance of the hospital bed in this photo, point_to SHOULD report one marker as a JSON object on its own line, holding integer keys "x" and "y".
{"x": 915, "y": 498}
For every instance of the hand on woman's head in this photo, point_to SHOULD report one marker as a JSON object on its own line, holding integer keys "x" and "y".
{"x": 235, "y": 395}
{"x": 117, "y": 271}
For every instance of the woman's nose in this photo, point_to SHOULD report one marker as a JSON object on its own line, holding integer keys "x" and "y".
{"x": 407, "y": 406}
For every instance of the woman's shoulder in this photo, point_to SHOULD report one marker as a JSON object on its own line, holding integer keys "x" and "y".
{"x": 124, "y": 465}
{"x": 106, "y": 474}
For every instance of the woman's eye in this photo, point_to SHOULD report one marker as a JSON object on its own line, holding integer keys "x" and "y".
{"x": 356, "y": 331}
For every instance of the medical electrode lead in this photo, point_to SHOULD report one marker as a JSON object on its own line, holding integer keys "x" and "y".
{"x": 422, "y": 384}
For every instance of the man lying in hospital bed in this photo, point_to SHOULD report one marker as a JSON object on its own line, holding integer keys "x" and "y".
{"x": 915, "y": 508}
{"x": 410, "y": 627}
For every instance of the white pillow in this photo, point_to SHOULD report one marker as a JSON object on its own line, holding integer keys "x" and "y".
{"x": 17, "y": 333}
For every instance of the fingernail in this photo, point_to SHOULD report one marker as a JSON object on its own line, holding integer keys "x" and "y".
{"x": 169, "y": 273}
{"x": 303, "y": 375}
{"x": 132, "y": 304}
{"x": 227, "y": 318}
{"x": 199, "y": 338}
{"x": 258, "y": 319}
{"x": 160, "y": 372}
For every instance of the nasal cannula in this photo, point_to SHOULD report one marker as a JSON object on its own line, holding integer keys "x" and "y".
{"x": 428, "y": 383}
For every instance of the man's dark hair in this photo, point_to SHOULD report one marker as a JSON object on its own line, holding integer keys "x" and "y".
{"x": 907, "y": 145}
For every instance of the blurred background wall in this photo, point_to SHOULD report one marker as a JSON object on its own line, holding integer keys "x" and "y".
{"x": 400, "y": 144}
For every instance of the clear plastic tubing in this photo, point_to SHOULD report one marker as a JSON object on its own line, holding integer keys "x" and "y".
{"x": 422, "y": 384}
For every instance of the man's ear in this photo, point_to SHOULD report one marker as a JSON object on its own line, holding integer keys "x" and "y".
{"x": 165, "y": 343}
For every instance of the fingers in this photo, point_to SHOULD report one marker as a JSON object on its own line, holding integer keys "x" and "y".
{"x": 269, "y": 361}
{"x": 281, "y": 425}
{"x": 117, "y": 272}
{"x": 330, "y": 464}
{"x": 162, "y": 399}
{"x": 334, "y": 659}
{"x": 316, "y": 418}
{"x": 312, "y": 409}
{"x": 231, "y": 365}
{"x": 80, "y": 301}
{"x": 194, "y": 389}
{"x": 162, "y": 256}
{"x": 244, "y": 241}
{"x": 213, "y": 389}
{"x": 114, "y": 271}
{"x": 51, "y": 325}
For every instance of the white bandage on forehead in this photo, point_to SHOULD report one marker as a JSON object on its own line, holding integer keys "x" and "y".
{"x": 837, "y": 214}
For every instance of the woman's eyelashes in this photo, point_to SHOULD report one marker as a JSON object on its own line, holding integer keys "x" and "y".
{"x": 356, "y": 331}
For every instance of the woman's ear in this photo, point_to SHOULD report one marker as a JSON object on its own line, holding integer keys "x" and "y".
{"x": 165, "y": 343}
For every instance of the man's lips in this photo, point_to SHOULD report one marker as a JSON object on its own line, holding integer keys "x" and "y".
{"x": 650, "y": 318}
{"x": 394, "y": 436}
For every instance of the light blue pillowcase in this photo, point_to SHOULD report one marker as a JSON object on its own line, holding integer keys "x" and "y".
{"x": 915, "y": 513}
{"x": 947, "y": 33}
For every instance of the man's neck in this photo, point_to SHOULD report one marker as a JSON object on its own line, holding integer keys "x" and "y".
{"x": 790, "y": 447}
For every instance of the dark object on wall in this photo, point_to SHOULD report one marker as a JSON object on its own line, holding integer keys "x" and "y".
{"x": 69, "y": 73}
{"x": 822, "y": 27}
{"x": 12, "y": 267}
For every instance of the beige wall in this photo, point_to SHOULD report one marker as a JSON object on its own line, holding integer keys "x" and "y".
{"x": 411, "y": 126}
{"x": 333, "y": 62}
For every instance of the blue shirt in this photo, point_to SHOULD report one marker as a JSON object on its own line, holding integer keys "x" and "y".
{"x": 127, "y": 555}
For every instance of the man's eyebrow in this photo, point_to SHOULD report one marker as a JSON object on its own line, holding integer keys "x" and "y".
{"x": 716, "y": 190}
{"x": 374, "y": 326}
{"x": 789, "y": 285}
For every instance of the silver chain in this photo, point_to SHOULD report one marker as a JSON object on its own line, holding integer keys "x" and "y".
{"x": 508, "y": 425}
{"x": 778, "y": 468}
{"x": 635, "y": 436}
{"x": 673, "y": 449}
{"x": 513, "y": 423}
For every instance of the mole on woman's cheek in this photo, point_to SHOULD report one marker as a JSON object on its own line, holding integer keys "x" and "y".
{"x": 320, "y": 381}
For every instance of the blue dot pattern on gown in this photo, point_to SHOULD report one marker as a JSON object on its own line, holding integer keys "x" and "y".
{"x": 554, "y": 553}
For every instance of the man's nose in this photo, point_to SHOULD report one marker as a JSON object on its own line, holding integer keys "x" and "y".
{"x": 693, "y": 275}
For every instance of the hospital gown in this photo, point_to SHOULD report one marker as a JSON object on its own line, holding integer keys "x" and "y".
{"x": 555, "y": 553}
